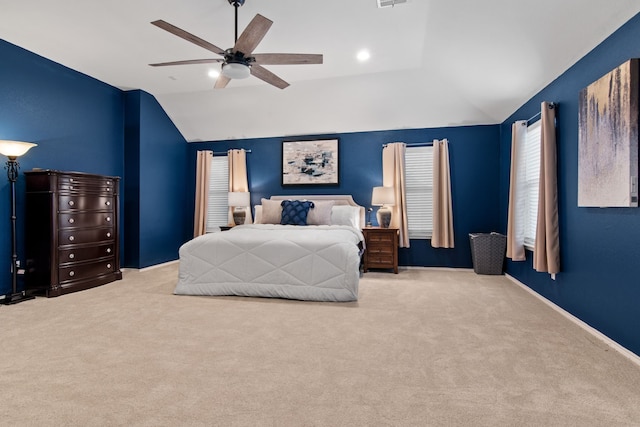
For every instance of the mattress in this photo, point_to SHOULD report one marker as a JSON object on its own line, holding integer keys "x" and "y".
{"x": 314, "y": 263}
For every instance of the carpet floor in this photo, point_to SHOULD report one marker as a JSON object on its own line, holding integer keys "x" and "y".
{"x": 421, "y": 348}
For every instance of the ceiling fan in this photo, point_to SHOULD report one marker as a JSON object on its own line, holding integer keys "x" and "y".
{"x": 239, "y": 61}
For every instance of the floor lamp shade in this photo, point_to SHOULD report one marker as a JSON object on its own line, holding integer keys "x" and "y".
{"x": 239, "y": 200}
{"x": 12, "y": 150}
{"x": 383, "y": 196}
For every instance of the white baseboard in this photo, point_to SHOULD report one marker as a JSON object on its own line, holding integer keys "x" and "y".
{"x": 417, "y": 267}
{"x": 596, "y": 333}
{"x": 164, "y": 264}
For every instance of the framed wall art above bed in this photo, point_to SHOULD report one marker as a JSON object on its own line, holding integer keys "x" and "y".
{"x": 312, "y": 162}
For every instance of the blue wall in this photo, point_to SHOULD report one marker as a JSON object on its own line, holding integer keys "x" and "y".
{"x": 76, "y": 121}
{"x": 474, "y": 176}
{"x": 156, "y": 155}
{"x": 599, "y": 248}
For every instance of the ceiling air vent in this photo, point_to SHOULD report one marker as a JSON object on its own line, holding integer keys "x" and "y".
{"x": 390, "y": 3}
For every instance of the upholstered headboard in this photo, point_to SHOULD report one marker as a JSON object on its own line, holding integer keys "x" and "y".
{"x": 340, "y": 199}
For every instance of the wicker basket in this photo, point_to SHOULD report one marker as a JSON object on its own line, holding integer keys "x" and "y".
{"x": 488, "y": 251}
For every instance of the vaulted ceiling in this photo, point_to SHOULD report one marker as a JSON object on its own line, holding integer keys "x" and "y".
{"x": 433, "y": 63}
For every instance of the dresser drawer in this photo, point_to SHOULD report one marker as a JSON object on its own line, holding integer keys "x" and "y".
{"x": 86, "y": 184}
{"x": 85, "y": 253}
{"x": 73, "y": 202}
{"x": 75, "y": 237}
{"x": 85, "y": 270}
{"x": 77, "y": 219}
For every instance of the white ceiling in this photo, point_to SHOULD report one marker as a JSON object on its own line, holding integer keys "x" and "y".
{"x": 433, "y": 63}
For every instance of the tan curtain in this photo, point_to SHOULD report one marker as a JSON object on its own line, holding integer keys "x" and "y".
{"x": 515, "y": 225}
{"x": 238, "y": 179}
{"x": 442, "y": 236}
{"x": 393, "y": 175}
{"x": 203, "y": 171}
{"x": 546, "y": 252}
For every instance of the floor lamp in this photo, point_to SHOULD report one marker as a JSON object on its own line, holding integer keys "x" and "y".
{"x": 13, "y": 150}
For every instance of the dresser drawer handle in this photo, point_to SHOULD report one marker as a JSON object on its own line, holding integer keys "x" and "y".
{"x": 72, "y": 256}
{"x": 108, "y": 234}
{"x": 108, "y": 189}
{"x": 71, "y": 187}
{"x": 72, "y": 203}
{"x": 71, "y": 273}
{"x": 108, "y": 219}
{"x": 108, "y": 265}
{"x": 71, "y": 238}
{"x": 108, "y": 250}
{"x": 71, "y": 220}
{"x": 108, "y": 203}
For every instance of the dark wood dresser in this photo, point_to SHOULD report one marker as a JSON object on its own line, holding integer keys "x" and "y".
{"x": 381, "y": 249}
{"x": 71, "y": 230}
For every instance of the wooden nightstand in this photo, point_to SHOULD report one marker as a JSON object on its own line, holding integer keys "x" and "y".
{"x": 226, "y": 227}
{"x": 381, "y": 248}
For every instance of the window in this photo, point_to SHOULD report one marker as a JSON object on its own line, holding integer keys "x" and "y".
{"x": 218, "y": 209}
{"x": 419, "y": 191}
{"x": 529, "y": 165}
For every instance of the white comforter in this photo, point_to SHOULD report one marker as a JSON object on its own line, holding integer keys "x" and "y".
{"x": 316, "y": 263}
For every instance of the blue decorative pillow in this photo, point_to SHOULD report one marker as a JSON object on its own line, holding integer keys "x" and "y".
{"x": 294, "y": 212}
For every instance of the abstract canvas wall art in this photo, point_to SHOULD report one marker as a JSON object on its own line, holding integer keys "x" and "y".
{"x": 310, "y": 162}
{"x": 608, "y": 139}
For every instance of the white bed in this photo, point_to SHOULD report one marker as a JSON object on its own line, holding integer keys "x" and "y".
{"x": 313, "y": 262}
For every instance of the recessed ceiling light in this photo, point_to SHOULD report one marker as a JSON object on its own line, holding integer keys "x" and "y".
{"x": 363, "y": 55}
{"x": 214, "y": 74}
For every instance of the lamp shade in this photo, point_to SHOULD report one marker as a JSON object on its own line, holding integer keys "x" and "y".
{"x": 15, "y": 148}
{"x": 383, "y": 196}
{"x": 239, "y": 198}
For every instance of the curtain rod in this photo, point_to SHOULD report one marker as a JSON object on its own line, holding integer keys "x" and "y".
{"x": 224, "y": 153}
{"x": 552, "y": 105}
{"x": 415, "y": 144}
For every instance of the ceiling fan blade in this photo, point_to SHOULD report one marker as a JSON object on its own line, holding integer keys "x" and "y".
{"x": 221, "y": 82}
{"x": 187, "y": 36}
{"x": 287, "y": 58}
{"x": 188, "y": 62}
{"x": 253, "y": 34}
{"x": 267, "y": 76}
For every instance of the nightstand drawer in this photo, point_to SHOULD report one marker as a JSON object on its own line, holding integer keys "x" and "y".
{"x": 384, "y": 238}
{"x": 380, "y": 260}
{"x": 378, "y": 249}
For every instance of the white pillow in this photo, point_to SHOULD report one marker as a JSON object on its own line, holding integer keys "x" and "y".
{"x": 345, "y": 215}
{"x": 320, "y": 213}
{"x": 257, "y": 214}
{"x": 271, "y": 211}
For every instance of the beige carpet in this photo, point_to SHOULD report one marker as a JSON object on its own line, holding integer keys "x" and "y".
{"x": 425, "y": 347}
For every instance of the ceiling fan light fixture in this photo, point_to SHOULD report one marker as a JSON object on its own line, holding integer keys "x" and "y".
{"x": 235, "y": 70}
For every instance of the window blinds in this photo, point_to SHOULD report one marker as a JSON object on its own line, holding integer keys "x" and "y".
{"x": 217, "y": 208}
{"x": 531, "y": 170}
{"x": 419, "y": 191}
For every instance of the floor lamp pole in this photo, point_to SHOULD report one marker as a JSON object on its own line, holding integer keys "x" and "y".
{"x": 14, "y": 297}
